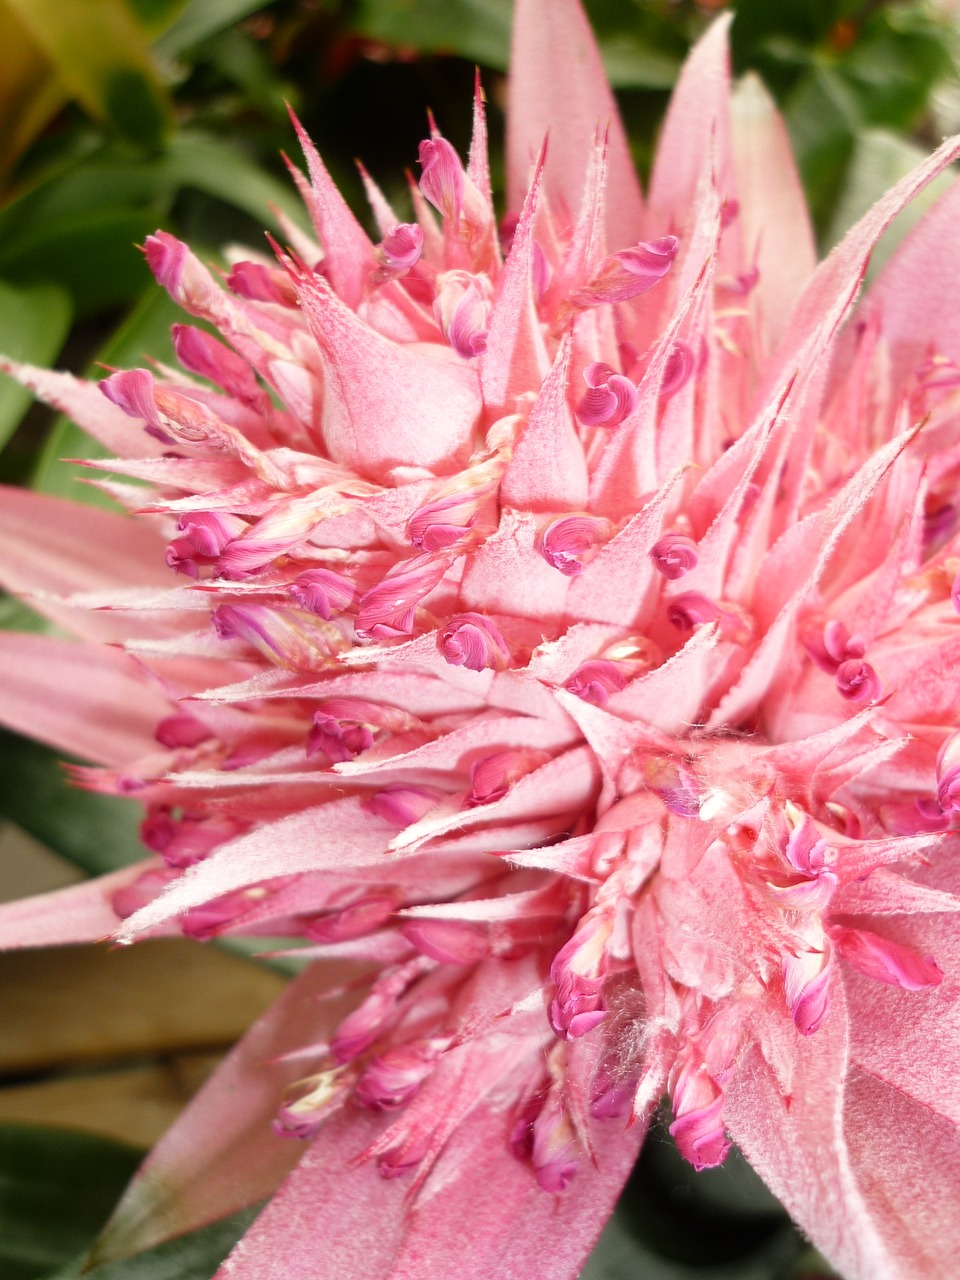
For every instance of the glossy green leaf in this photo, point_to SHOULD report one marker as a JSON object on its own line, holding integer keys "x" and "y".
{"x": 33, "y": 325}
{"x": 96, "y": 833}
{"x": 57, "y": 1189}
{"x": 101, "y": 54}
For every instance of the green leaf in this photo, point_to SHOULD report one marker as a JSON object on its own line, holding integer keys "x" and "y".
{"x": 640, "y": 50}
{"x": 92, "y": 256}
{"x": 226, "y": 171}
{"x": 33, "y": 325}
{"x": 96, "y": 833}
{"x": 900, "y": 55}
{"x": 192, "y": 1257}
{"x": 880, "y": 160}
{"x": 823, "y": 120}
{"x": 200, "y": 19}
{"x": 475, "y": 29}
{"x": 57, "y": 1189}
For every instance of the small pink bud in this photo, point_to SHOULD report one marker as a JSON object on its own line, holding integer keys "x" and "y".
{"x": 442, "y": 179}
{"x": 473, "y": 641}
{"x": 259, "y": 283}
{"x": 165, "y": 256}
{"x": 387, "y": 610}
{"x": 462, "y": 309}
{"x": 401, "y": 804}
{"x": 948, "y": 774}
{"x": 806, "y": 982}
{"x": 402, "y": 246}
{"x": 596, "y": 680}
{"x": 181, "y": 730}
{"x": 209, "y": 532}
{"x": 219, "y": 914}
{"x": 629, "y": 273}
{"x": 355, "y": 920}
{"x": 323, "y": 592}
{"x": 700, "y": 1136}
{"x": 577, "y": 971}
{"x": 679, "y": 368}
{"x": 392, "y": 1079}
{"x": 458, "y": 942}
{"x": 609, "y": 399}
{"x": 492, "y": 776}
{"x": 343, "y": 727}
{"x": 158, "y": 828}
{"x": 376, "y": 1014}
{"x": 202, "y": 354}
{"x": 195, "y": 838}
{"x": 674, "y": 555}
{"x": 887, "y": 961}
{"x": 404, "y": 1157}
{"x": 692, "y": 609}
{"x": 857, "y": 681}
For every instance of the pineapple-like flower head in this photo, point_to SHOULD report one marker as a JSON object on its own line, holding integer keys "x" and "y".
{"x": 548, "y": 625}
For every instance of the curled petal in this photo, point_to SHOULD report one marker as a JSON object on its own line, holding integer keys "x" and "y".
{"x": 472, "y": 640}
{"x": 674, "y": 555}
{"x": 857, "y": 681}
{"x": 609, "y": 399}
{"x": 462, "y": 309}
{"x": 572, "y": 541}
{"x": 596, "y": 680}
{"x": 692, "y": 609}
{"x": 679, "y": 368}
{"x": 323, "y": 592}
{"x": 309, "y": 1102}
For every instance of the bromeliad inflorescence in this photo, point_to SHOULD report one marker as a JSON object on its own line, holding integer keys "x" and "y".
{"x": 550, "y": 627}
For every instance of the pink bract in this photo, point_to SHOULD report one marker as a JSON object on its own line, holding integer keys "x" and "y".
{"x": 595, "y": 744}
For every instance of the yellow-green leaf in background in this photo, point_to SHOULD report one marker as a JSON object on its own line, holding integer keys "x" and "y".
{"x": 33, "y": 325}
{"x": 101, "y": 55}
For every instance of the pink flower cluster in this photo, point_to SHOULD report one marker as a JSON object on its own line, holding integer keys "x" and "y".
{"x": 550, "y": 628}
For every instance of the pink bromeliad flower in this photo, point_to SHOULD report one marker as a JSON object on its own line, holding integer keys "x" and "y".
{"x": 559, "y": 643}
